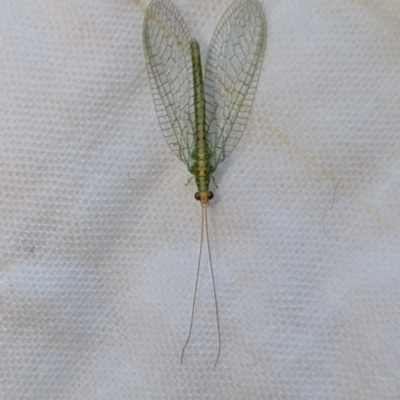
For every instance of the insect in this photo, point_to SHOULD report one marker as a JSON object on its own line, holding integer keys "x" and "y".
{"x": 203, "y": 120}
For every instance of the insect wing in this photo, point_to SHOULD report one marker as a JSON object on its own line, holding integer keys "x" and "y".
{"x": 166, "y": 43}
{"x": 232, "y": 71}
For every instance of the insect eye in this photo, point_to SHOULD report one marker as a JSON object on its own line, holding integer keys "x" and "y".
{"x": 197, "y": 196}
{"x": 210, "y": 195}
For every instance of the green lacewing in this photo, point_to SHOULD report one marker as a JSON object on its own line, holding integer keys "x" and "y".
{"x": 203, "y": 116}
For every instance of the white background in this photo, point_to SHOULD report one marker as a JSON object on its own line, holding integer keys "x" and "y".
{"x": 99, "y": 236}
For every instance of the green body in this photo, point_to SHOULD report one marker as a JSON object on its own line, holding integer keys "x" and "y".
{"x": 203, "y": 121}
{"x": 202, "y": 168}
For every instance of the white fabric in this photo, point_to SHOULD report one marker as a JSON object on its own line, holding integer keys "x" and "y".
{"x": 99, "y": 236}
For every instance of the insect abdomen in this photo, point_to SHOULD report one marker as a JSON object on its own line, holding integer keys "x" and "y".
{"x": 201, "y": 155}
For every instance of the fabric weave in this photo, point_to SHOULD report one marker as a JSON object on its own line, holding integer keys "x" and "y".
{"x": 99, "y": 235}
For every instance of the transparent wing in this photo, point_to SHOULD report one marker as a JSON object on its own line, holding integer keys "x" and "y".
{"x": 232, "y": 71}
{"x": 166, "y": 43}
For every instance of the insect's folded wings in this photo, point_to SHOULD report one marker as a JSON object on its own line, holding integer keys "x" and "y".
{"x": 166, "y": 42}
{"x": 232, "y": 71}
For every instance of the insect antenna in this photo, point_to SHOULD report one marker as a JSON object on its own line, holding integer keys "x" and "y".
{"x": 213, "y": 283}
{"x": 204, "y": 222}
{"x": 196, "y": 285}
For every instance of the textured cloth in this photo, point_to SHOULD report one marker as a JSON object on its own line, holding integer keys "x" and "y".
{"x": 99, "y": 236}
